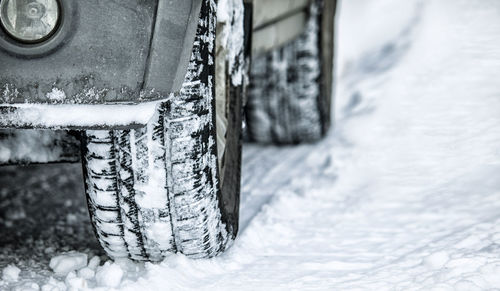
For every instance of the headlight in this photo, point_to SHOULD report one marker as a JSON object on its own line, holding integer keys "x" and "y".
{"x": 29, "y": 20}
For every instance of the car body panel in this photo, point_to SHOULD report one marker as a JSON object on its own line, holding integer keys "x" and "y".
{"x": 277, "y": 22}
{"x": 171, "y": 46}
{"x": 110, "y": 54}
{"x": 279, "y": 33}
{"x": 102, "y": 58}
{"x": 268, "y": 11}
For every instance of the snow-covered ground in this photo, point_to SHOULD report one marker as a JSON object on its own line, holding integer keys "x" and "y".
{"x": 404, "y": 194}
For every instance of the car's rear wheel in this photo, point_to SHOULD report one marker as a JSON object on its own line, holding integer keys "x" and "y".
{"x": 290, "y": 91}
{"x": 166, "y": 188}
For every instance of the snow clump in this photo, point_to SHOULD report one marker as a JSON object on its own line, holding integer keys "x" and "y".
{"x": 75, "y": 283}
{"x": 94, "y": 263}
{"x": 56, "y": 95}
{"x": 109, "y": 275}
{"x": 68, "y": 262}
{"x": 53, "y": 285}
{"x": 11, "y": 273}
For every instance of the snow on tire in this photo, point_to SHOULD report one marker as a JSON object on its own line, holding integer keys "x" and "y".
{"x": 156, "y": 190}
{"x": 290, "y": 88}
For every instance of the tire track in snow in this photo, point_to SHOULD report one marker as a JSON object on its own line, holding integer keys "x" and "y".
{"x": 272, "y": 169}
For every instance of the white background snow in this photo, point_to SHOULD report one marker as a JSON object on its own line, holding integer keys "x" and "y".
{"x": 404, "y": 194}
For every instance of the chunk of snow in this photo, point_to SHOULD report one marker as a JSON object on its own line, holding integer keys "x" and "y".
{"x": 54, "y": 285}
{"x": 86, "y": 273}
{"x": 65, "y": 263}
{"x": 94, "y": 263}
{"x": 109, "y": 275}
{"x": 74, "y": 282}
{"x": 56, "y": 95}
{"x": 11, "y": 273}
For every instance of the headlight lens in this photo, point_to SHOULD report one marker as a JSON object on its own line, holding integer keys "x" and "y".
{"x": 29, "y": 20}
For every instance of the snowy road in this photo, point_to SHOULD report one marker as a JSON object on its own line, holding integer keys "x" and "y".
{"x": 404, "y": 194}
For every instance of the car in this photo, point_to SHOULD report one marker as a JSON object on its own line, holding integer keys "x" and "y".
{"x": 154, "y": 98}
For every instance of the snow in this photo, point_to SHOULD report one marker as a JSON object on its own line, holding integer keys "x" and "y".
{"x": 11, "y": 273}
{"x": 403, "y": 194}
{"x": 67, "y": 116}
{"x": 94, "y": 263}
{"x": 53, "y": 285}
{"x": 230, "y": 14}
{"x": 28, "y": 287}
{"x": 75, "y": 283}
{"x": 109, "y": 275}
{"x": 436, "y": 260}
{"x": 66, "y": 263}
{"x": 86, "y": 273}
{"x": 56, "y": 95}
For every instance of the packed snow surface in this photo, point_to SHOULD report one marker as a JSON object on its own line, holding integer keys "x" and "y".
{"x": 404, "y": 194}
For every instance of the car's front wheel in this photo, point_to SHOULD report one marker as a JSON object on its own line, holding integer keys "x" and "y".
{"x": 174, "y": 185}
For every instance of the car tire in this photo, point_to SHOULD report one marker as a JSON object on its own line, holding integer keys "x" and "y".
{"x": 165, "y": 188}
{"x": 290, "y": 92}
